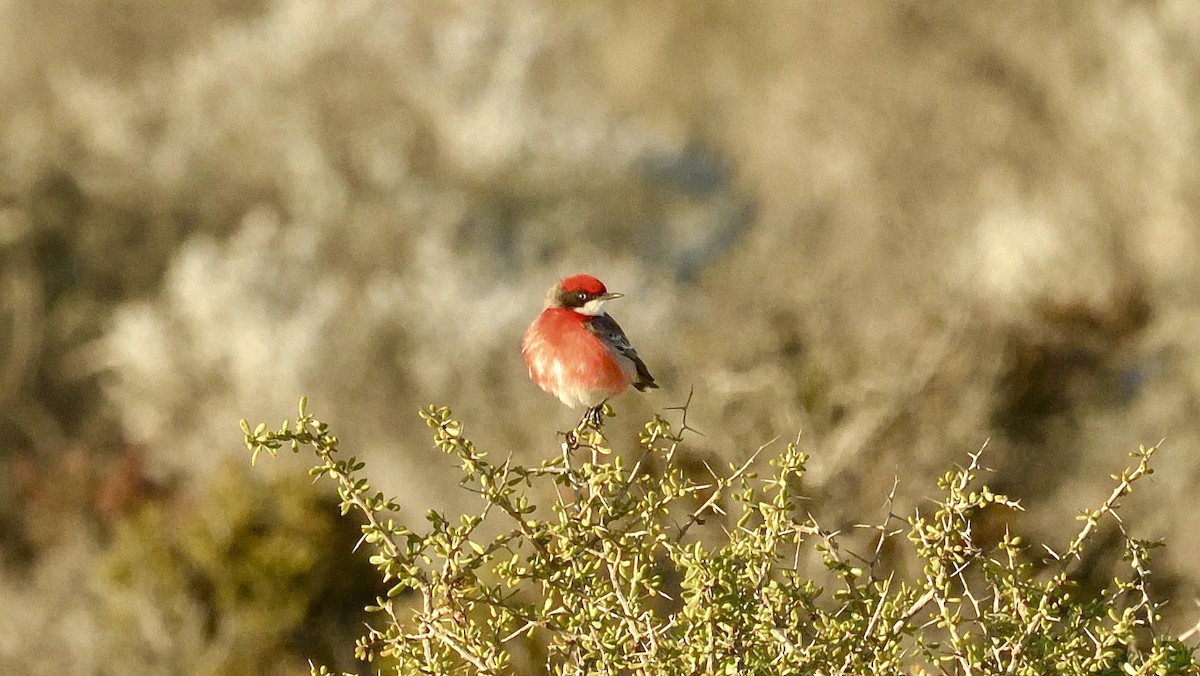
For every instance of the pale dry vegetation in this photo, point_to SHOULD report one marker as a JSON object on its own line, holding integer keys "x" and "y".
{"x": 900, "y": 229}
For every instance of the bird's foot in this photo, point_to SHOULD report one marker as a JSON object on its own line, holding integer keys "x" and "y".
{"x": 589, "y": 432}
{"x": 594, "y": 417}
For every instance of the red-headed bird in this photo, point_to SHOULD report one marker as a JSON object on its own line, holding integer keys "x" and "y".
{"x": 578, "y": 353}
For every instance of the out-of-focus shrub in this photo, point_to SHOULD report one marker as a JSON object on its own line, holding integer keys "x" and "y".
{"x": 247, "y": 577}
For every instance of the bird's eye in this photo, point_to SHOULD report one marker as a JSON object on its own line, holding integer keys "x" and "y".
{"x": 580, "y": 296}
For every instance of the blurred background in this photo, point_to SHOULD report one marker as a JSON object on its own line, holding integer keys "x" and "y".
{"x": 899, "y": 230}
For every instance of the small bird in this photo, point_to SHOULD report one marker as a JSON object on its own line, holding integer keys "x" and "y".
{"x": 578, "y": 353}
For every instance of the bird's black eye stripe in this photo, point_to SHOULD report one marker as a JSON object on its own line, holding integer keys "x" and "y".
{"x": 573, "y": 299}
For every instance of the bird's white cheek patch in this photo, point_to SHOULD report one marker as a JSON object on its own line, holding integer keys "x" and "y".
{"x": 594, "y": 308}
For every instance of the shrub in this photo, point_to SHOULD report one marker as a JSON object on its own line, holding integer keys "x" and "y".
{"x": 231, "y": 580}
{"x": 613, "y": 577}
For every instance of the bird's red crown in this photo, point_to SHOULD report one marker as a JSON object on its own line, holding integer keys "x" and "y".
{"x": 585, "y": 283}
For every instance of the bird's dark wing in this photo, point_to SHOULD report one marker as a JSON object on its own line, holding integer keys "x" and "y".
{"x": 608, "y": 330}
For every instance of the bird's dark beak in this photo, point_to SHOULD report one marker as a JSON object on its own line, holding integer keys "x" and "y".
{"x": 611, "y": 296}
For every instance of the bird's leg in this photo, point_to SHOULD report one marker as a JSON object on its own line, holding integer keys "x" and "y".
{"x": 595, "y": 416}
{"x": 588, "y": 432}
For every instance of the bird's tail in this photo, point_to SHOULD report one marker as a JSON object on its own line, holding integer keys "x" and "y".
{"x": 644, "y": 380}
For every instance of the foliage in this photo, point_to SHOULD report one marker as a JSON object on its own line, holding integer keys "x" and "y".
{"x": 226, "y": 583}
{"x": 612, "y": 577}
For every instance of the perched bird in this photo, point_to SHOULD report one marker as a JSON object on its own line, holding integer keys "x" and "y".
{"x": 578, "y": 353}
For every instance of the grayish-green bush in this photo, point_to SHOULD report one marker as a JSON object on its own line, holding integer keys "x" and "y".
{"x": 608, "y": 576}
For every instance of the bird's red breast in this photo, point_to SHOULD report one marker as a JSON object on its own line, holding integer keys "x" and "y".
{"x": 569, "y": 361}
